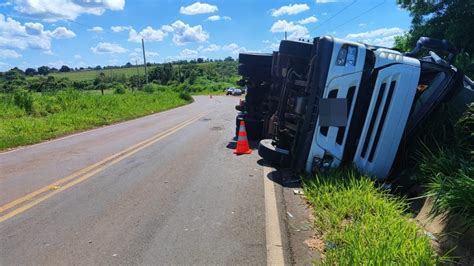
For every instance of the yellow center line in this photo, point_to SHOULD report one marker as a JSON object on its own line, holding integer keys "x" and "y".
{"x": 35, "y": 197}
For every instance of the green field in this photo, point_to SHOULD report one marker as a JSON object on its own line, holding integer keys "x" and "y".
{"x": 27, "y": 118}
{"x": 92, "y": 74}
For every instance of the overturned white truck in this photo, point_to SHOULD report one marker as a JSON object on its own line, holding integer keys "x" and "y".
{"x": 346, "y": 103}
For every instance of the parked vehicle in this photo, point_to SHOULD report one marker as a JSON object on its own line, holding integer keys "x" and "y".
{"x": 335, "y": 102}
{"x": 233, "y": 91}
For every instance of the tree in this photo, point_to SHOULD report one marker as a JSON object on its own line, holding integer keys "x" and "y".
{"x": 444, "y": 19}
{"x": 100, "y": 82}
{"x": 64, "y": 69}
{"x": 43, "y": 70}
{"x": 200, "y": 60}
{"x": 128, "y": 64}
{"x": 30, "y": 71}
{"x": 14, "y": 74}
{"x": 229, "y": 58}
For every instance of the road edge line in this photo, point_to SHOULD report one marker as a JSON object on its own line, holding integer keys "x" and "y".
{"x": 274, "y": 242}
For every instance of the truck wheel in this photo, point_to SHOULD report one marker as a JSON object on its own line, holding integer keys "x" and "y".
{"x": 296, "y": 49}
{"x": 271, "y": 153}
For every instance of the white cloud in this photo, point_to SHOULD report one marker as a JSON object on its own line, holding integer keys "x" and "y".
{"x": 216, "y": 18}
{"x": 234, "y": 48}
{"x": 53, "y": 10}
{"x": 381, "y": 37}
{"x": 29, "y": 35}
{"x": 290, "y": 9}
{"x": 6, "y": 4}
{"x": 186, "y": 53}
{"x": 148, "y": 34}
{"x": 34, "y": 28}
{"x": 198, "y": 8}
{"x": 308, "y": 20}
{"x": 96, "y": 29}
{"x": 137, "y": 54}
{"x": 7, "y": 53}
{"x": 275, "y": 46}
{"x": 62, "y": 33}
{"x": 362, "y": 24}
{"x": 325, "y": 1}
{"x": 152, "y": 54}
{"x": 108, "y": 48}
{"x": 211, "y": 48}
{"x": 120, "y": 28}
{"x": 296, "y": 31}
{"x": 167, "y": 28}
{"x": 77, "y": 56}
{"x": 183, "y": 33}
{"x": 48, "y": 52}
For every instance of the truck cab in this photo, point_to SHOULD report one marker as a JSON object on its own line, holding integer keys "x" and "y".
{"x": 349, "y": 103}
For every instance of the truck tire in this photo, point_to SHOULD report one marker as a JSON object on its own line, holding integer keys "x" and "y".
{"x": 271, "y": 153}
{"x": 296, "y": 49}
{"x": 256, "y": 59}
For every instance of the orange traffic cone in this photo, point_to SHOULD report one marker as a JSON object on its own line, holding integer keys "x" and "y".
{"x": 242, "y": 142}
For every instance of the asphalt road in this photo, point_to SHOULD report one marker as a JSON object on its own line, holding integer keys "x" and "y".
{"x": 182, "y": 198}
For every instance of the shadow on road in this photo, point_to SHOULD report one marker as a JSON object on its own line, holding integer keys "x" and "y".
{"x": 283, "y": 177}
{"x": 233, "y": 143}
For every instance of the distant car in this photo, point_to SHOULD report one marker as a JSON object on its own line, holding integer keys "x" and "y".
{"x": 233, "y": 91}
{"x": 237, "y": 92}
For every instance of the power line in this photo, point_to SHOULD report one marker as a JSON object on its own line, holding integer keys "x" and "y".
{"x": 358, "y": 16}
{"x": 333, "y": 16}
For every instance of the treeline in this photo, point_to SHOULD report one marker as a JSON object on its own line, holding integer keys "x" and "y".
{"x": 191, "y": 77}
{"x": 452, "y": 20}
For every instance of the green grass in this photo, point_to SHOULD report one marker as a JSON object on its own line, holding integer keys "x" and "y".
{"x": 364, "y": 225}
{"x": 446, "y": 167}
{"x": 27, "y": 118}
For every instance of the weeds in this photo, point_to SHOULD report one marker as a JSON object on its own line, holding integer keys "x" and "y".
{"x": 447, "y": 169}
{"x": 363, "y": 225}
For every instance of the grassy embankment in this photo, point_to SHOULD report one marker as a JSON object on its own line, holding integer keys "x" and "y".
{"x": 361, "y": 224}
{"x": 27, "y": 118}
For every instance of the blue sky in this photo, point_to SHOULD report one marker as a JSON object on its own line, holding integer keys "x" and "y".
{"x": 81, "y": 33}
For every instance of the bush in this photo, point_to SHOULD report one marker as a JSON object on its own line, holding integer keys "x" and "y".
{"x": 150, "y": 88}
{"x": 119, "y": 89}
{"x": 23, "y": 99}
{"x": 185, "y": 96}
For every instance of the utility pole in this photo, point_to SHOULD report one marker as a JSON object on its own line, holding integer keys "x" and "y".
{"x": 285, "y": 35}
{"x": 144, "y": 61}
{"x": 138, "y": 73}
